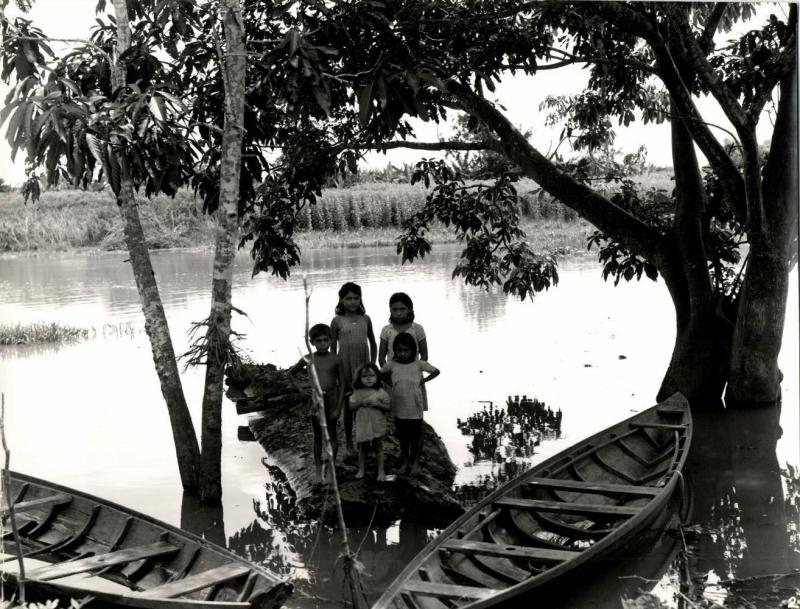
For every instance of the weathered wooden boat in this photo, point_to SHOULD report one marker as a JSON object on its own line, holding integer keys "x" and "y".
{"x": 132, "y": 560}
{"x": 555, "y": 523}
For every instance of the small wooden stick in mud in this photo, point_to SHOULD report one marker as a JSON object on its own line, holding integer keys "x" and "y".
{"x": 7, "y": 495}
{"x": 351, "y": 566}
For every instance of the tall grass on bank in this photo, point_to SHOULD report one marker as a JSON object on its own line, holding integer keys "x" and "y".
{"x": 366, "y": 214}
{"x": 40, "y": 332}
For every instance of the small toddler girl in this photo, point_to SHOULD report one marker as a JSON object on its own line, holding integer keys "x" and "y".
{"x": 370, "y": 402}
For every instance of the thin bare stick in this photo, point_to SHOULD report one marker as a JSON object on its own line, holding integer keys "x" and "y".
{"x": 7, "y": 494}
{"x": 351, "y": 571}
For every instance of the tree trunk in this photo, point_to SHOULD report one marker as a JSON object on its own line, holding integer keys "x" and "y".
{"x": 219, "y": 329}
{"x": 762, "y": 308}
{"x": 698, "y": 366}
{"x": 155, "y": 319}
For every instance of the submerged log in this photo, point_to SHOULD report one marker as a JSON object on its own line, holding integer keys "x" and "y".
{"x": 283, "y": 428}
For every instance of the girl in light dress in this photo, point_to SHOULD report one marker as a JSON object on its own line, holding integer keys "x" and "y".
{"x": 354, "y": 342}
{"x": 406, "y": 374}
{"x": 371, "y": 403}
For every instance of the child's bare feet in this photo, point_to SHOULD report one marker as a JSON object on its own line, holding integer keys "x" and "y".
{"x": 381, "y": 477}
{"x": 359, "y": 475}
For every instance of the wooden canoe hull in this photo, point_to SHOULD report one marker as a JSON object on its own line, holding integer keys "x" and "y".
{"x": 580, "y": 509}
{"x": 154, "y": 565}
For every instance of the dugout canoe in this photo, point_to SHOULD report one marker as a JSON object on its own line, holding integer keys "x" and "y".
{"x": 557, "y": 522}
{"x": 76, "y": 545}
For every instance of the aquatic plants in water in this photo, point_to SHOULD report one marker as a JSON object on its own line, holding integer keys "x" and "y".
{"x": 40, "y": 332}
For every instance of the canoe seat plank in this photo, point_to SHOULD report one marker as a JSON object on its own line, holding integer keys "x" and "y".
{"x": 198, "y": 581}
{"x": 57, "y": 499}
{"x": 592, "y": 487}
{"x": 508, "y": 551}
{"x": 658, "y": 426}
{"x": 564, "y": 507}
{"x": 665, "y": 410}
{"x": 447, "y": 590}
{"x": 102, "y": 560}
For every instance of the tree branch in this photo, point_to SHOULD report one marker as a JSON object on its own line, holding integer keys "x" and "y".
{"x": 621, "y": 16}
{"x": 88, "y": 43}
{"x": 598, "y": 210}
{"x": 706, "y": 39}
{"x": 765, "y": 87}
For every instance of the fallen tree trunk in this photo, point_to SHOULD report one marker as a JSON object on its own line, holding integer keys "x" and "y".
{"x": 283, "y": 428}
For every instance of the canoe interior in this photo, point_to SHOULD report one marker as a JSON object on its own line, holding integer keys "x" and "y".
{"x": 582, "y": 505}
{"x": 77, "y": 534}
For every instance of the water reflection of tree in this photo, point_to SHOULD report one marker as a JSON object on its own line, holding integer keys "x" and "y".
{"x": 744, "y": 529}
{"x": 308, "y": 552}
{"x": 513, "y": 431}
{"x": 480, "y": 307}
{"x": 505, "y": 438}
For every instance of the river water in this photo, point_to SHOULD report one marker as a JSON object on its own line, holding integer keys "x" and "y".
{"x": 90, "y": 415}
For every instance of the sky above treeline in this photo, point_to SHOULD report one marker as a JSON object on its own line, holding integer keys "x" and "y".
{"x": 520, "y": 95}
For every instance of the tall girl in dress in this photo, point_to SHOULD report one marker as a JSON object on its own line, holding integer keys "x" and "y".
{"x": 354, "y": 342}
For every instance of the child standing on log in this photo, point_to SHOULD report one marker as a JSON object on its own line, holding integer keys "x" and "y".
{"x": 353, "y": 341}
{"x": 370, "y": 402}
{"x": 330, "y": 373}
{"x": 408, "y": 380}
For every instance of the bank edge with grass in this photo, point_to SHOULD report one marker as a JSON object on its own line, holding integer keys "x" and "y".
{"x": 361, "y": 216}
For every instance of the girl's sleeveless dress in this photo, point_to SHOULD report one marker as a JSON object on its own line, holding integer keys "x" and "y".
{"x": 388, "y": 333}
{"x": 352, "y": 347}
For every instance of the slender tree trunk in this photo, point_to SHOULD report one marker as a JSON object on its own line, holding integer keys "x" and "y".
{"x": 186, "y": 447}
{"x": 219, "y": 330}
{"x": 762, "y": 308}
{"x": 698, "y": 366}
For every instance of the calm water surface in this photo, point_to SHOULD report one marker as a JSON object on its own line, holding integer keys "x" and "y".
{"x": 90, "y": 415}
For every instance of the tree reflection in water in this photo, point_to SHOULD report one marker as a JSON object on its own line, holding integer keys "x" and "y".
{"x": 505, "y": 439}
{"x": 742, "y": 543}
{"x": 308, "y": 552}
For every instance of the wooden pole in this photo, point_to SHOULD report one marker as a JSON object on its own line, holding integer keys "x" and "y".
{"x": 351, "y": 570}
{"x": 7, "y": 494}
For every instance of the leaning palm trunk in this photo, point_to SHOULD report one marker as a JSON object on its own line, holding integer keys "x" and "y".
{"x": 219, "y": 321}
{"x": 156, "y": 326}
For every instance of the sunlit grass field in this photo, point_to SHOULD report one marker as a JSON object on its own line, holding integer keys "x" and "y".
{"x": 368, "y": 214}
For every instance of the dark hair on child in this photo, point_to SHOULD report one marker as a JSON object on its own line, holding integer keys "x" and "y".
{"x": 357, "y": 384}
{"x": 406, "y": 300}
{"x": 344, "y": 291}
{"x": 404, "y": 339}
{"x": 318, "y": 330}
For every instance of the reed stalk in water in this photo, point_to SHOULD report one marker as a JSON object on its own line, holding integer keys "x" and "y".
{"x": 7, "y": 495}
{"x": 351, "y": 565}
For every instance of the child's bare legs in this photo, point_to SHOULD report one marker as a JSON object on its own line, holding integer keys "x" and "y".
{"x": 416, "y": 447}
{"x": 401, "y": 428}
{"x": 317, "y": 448}
{"x": 333, "y": 434}
{"x": 378, "y": 442}
{"x": 363, "y": 447}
